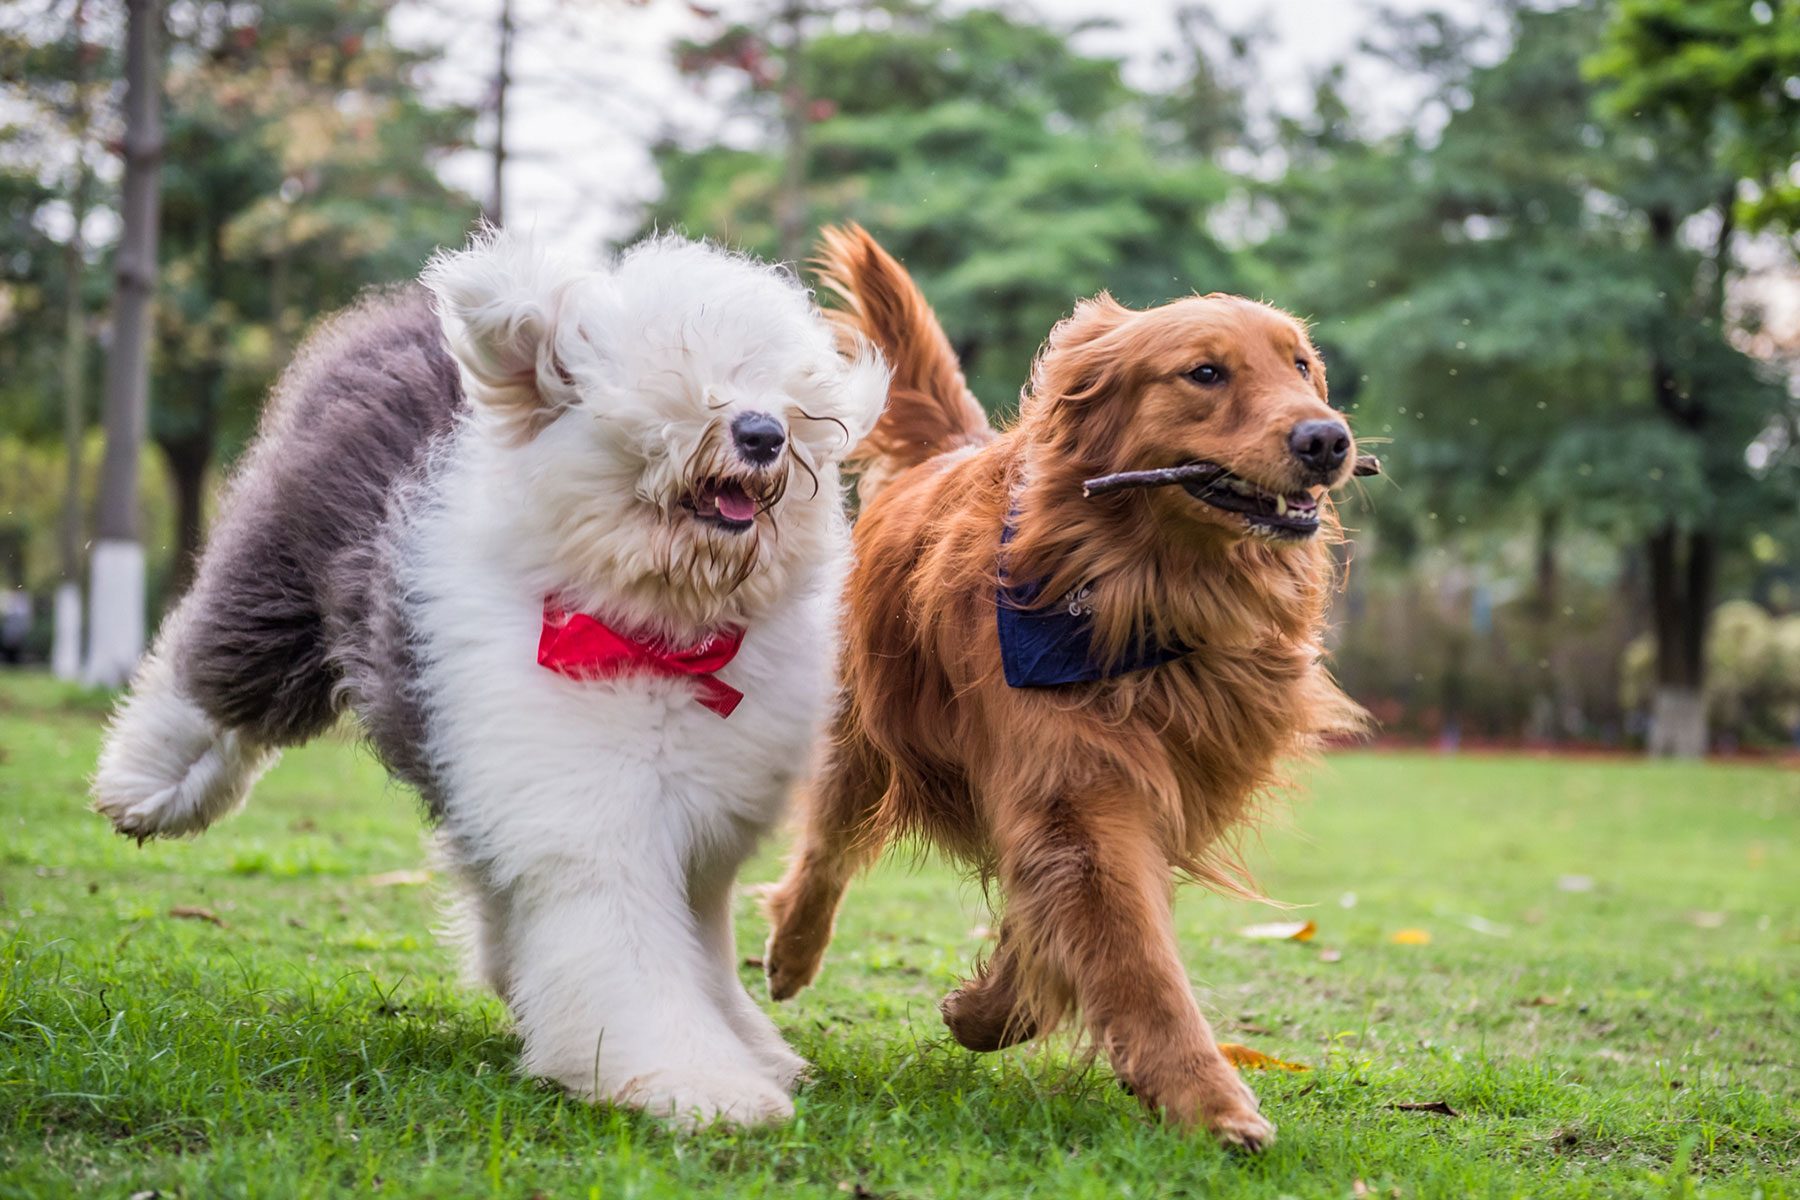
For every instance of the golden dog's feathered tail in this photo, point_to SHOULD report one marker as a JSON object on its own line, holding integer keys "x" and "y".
{"x": 930, "y": 408}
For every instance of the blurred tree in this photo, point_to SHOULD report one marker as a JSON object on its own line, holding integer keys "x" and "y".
{"x": 1536, "y": 299}
{"x": 116, "y": 578}
{"x": 1011, "y": 172}
{"x": 496, "y": 205}
{"x": 1726, "y": 73}
{"x": 301, "y": 169}
{"x": 54, "y": 64}
{"x": 65, "y": 655}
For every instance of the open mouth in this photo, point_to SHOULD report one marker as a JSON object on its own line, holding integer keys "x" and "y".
{"x": 722, "y": 502}
{"x": 1278, "y": 514}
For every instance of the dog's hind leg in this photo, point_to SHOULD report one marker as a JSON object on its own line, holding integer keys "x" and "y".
{"x": 836, "y": 840}
{"x": 168, "y": 767}
{"x": 1088, "y": 898}
{"x": 990, "y": 1011}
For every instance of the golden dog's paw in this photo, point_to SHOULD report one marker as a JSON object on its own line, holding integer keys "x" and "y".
{"x": 1241, "y": 1129}
{"x": 790, "y": 963}
{"x": 796, "y": 946}
{"x": 982, "y": 1017}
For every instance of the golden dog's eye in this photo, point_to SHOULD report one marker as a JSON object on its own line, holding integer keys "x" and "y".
{"x": 1207, "y": 374}
{"x": 1305, "y": 370}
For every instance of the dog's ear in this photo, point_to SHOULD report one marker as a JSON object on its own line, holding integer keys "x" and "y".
{"x": 1078, "y": 360}
{"x": 501, "y": 301}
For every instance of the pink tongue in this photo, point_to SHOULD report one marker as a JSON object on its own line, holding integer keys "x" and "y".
{"x": 735, "y": 505}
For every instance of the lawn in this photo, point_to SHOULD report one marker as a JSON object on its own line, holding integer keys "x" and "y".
{"x": 1609, "y": 1001}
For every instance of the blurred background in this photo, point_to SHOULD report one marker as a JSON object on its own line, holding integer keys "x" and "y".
{"x": 1548, "y": 250}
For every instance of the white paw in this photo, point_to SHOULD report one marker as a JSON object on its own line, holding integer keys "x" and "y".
{"x": 167, "y": 769}
{"x": 784, "y": 1066}
{"x": 764, "y": 1040}
{"x": 696, "y": 1099}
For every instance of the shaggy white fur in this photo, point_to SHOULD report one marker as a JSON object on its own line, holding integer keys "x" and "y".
{"x": 167, "y": 769}
{"x": 597, "y": 827}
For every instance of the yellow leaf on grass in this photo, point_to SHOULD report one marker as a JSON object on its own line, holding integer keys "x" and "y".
{"x": 1411, "y": 937}
{"x": 1281, "y": 931}
{"x": 1244, "y": 1058}
{"x": 389, "y": 879}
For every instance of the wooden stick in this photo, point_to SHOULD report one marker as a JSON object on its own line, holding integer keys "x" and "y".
{"x": 1161, "y": 477}
{"x": 1366, "y": 464}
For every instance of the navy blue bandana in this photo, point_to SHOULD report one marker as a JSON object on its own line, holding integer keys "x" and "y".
{"x": 1048, "y": 645}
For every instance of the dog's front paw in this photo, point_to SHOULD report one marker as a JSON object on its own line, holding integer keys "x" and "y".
{"x": 1243, "y": 1130}
{"x": 789, "y": 971}
{"x": 1234, "y": 1119}
{"x": 696, "y": 1099}
{"x": 787, "y": 1068}
{"x": 796, "y": 946}
{"x": 1210, "y": 1097}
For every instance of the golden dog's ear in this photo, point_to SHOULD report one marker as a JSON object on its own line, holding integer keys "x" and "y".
{"x": 1079, "y": 361}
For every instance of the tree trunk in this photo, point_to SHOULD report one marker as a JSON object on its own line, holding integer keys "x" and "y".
{"x": 188, "y": 459}
{"x": 65, "y": 647}
{"x": 1682, "y": 570}
{"x": 496, "y": 212}
{"x": 1554, "y": 708}
{"x": 1683, "y": 564}
{"x": 116, "y": 597}
{"x": 790, "y": 216}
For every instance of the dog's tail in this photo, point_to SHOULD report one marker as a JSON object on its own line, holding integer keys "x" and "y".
{"x": 167, "y": 767}
{"x": 930, "y": 408}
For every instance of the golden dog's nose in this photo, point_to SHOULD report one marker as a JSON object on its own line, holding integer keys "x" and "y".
{"x": 1321, "y": 446}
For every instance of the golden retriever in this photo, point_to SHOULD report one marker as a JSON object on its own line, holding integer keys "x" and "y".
{"x": 1081, "y": 695}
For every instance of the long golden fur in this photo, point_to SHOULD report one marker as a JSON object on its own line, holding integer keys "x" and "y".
{"x": 1080, "y": 801}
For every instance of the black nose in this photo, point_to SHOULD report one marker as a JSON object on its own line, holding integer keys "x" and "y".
{"x": 1320, "y": 445}
{"x": 759, "y": 437}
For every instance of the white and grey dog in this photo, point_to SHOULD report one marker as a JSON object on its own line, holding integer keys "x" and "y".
{"x": 519, "y": 533}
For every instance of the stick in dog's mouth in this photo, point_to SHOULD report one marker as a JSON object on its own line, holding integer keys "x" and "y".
{"x": 1188, "y": 475}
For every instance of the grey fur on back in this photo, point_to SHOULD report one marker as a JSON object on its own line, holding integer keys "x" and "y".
{"x": 296, "y": 607}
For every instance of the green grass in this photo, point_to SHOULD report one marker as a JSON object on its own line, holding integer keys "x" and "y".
{"x": 1639, "y": 1038}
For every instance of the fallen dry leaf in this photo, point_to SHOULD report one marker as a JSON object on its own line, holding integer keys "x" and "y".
{"x": 1541, "y": 1002}
{"x": 1330, "y": 955}
{"x": 1359, "y": 1189}
{"x": 1434, "y": 1106}
{"x": 1575, "y": 883}
{"x": 193, "y": 912}
{"x": 1281, "y": 931}
{"x": 405, "y": 878}
{"x": 1244, "y": 1058}
{"x": 1411, "y": 937}
{"x": 1706, "y": 920}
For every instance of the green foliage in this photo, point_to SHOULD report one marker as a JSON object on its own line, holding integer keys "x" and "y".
{"x": 1728, "y": 73}
{"x": 1011, "y": 173}
{"x": 1753, "y": 674}
{"x": 299, "y": 170}
{"x": 1505, "y": 296}
{"x": 32, "y": 283}
{"x": 1624, "y": 1042}
{"x": 53, "y": 74}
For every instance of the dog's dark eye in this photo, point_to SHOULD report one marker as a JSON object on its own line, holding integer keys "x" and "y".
{"x": 1207, "y": 374}
{"x": 1305, "y": 369}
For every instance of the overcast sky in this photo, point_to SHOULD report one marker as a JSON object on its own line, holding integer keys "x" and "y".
{"x": 595, "y": 86}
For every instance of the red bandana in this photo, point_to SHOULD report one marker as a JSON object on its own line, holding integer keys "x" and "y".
{"x": 579, "y": 647}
